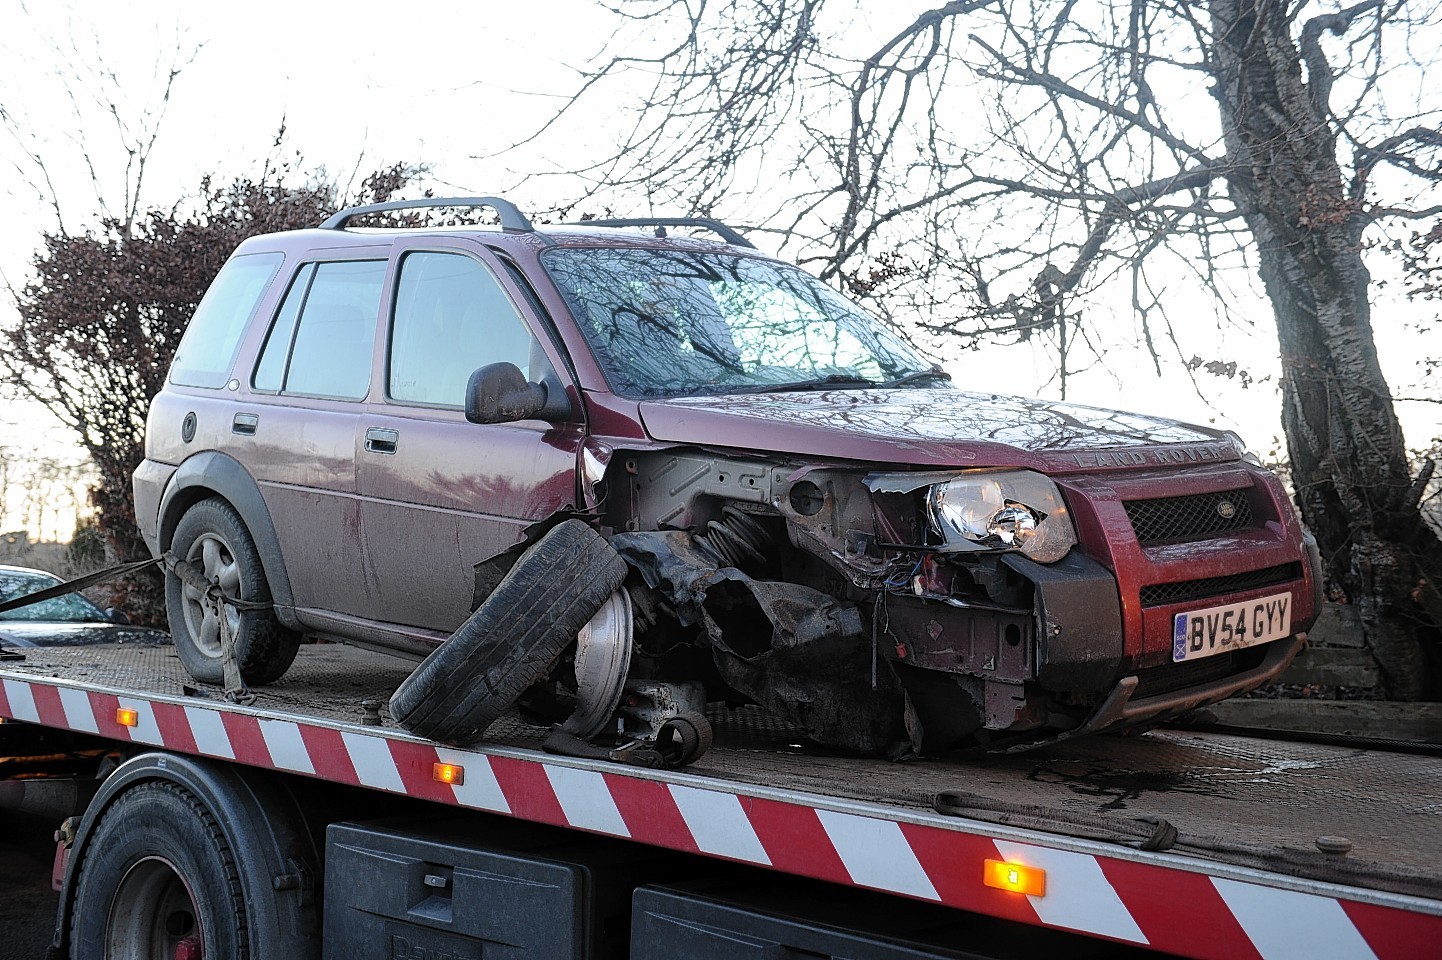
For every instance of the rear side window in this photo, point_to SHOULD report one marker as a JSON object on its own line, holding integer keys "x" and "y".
{"x": 320, "y": 344}
{"x": 451, "y": 318}
{"x": 207, "y": 351}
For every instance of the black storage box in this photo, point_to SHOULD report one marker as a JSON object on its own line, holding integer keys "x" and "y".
{"x": 463, "y": 888}
{"x": 771, "y": 917}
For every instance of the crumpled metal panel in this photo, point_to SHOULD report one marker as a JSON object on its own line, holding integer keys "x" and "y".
{"x": 799, "y": 653}
{"x": 669, "y": 561}
{"x": 815, "y": 668}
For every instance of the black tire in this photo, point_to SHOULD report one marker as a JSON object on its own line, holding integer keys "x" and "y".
{"x": 514, "y": 637}
{"x": 159, "y": 871}
{"x": 212, "y": 534}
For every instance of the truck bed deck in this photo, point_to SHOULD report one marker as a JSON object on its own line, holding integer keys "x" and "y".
{"x": 1233, "y": 799}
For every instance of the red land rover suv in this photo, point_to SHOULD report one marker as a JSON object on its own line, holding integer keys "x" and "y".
{"x": 362, "y": 424}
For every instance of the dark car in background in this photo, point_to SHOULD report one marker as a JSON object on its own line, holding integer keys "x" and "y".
{"x": 64, "y": 621}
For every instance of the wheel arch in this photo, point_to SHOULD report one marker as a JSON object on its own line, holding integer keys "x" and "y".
{"x": 215, "y": 474}
{"x": 261, "y": 821}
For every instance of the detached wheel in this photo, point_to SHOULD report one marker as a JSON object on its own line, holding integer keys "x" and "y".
{"x": 159, "y": 882}
{"x": 212, "y": 536}
{"x": 514, "y": 637}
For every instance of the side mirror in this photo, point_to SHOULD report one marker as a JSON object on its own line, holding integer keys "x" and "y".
{"x": 500, "y": 393}
{"x": 117, "y": 615}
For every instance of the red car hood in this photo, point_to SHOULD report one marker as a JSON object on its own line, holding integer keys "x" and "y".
{"x": 934, "y": 427}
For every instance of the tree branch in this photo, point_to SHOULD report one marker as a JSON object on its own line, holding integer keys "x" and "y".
{"x": 1319, "y": 71}
{"x": 1057, "y": 85}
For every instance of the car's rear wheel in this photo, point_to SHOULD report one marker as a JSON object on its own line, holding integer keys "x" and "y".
{"x": 514, "y": 637}
{"x": 212, "y": 537}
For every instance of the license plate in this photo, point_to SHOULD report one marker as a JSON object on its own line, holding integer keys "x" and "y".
{"x": 1206, "y": 633}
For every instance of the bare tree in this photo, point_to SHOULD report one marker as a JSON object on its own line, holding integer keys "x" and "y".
{"x": 1421, "y": 255}
{"x": 110, "y": 293}
{"x": 98, "y": 151}
{"x": 94, "y": 364}
{"x": 1003, "y": 167}
{"x": 39, "y": 493}
{"x": 104, "y": 311}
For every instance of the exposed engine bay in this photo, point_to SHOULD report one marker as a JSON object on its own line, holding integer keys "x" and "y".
{"x": 881, "y": 612}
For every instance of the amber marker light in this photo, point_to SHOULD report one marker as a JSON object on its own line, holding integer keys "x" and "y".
{"x": 450, "y": 773}
{"x": 127, "y": 718}
{"x": 1015, "y": 877}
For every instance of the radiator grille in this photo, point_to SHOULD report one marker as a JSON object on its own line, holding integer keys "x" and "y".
{"x": 1154, "y": 681}
{"x": 1189, "y": 518}
{"x": 1158, "y": 594}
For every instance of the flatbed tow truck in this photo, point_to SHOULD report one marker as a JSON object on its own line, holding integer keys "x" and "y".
{"x": 742, "y": 488}
{"x": 342, "y": 835}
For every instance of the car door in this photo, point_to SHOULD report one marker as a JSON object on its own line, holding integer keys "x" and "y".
{"x": 438, "y": 493}
{"x": 298, "y": 425}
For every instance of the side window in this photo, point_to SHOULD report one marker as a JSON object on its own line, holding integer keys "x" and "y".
{"x": 320, "y": 343}
{"x": 451, "y": 318}
{"x": 207, "y": 350}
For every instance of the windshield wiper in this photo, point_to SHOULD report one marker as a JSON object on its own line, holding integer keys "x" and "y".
{"x": 934, "y": 373}
{"x": 796, "y": 386}
{"x": 843, "y": 380}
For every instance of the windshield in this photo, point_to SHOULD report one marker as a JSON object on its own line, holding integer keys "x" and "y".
{"x": 668, "y": 323}
{"x": 70, "y": 608}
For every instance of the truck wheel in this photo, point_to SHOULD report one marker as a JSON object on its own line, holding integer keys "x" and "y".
{"x": 159, "y": 881}
{"x": 514, "y": 637}
{"x": 214, "y": 538}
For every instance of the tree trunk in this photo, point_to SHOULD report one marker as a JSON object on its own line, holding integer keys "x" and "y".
{"x": 1349, "y": 461}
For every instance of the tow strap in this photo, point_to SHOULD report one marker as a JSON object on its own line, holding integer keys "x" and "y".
{"x": 211, "y": 597}
{"x": 78, "y": 584}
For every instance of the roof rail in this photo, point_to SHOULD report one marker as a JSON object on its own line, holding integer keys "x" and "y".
{"x": 729, "y": 234}
{"x": 511, "y": 218}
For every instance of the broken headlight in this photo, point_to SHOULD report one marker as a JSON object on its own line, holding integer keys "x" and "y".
{"x": 1243, "y": 450}
{"x": 1010, "y": 510}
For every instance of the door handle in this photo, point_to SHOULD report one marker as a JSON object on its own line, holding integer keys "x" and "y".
{"x": 244, "y": 424}
{"x": 381, "y": 440}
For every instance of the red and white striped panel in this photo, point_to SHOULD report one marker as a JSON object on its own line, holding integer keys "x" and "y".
{"x": 1227, "y": 915}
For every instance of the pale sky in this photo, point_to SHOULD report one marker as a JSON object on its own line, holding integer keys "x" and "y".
{"x": 444, "y": 83}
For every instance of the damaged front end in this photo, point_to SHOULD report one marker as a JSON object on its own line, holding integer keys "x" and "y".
{"x": 882, "y": 612}
{"x": 786, "y": 646}
{"x": 914, "y": 612}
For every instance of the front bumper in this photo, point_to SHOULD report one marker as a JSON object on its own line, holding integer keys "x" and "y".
{"x": 1122, "y": 709}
